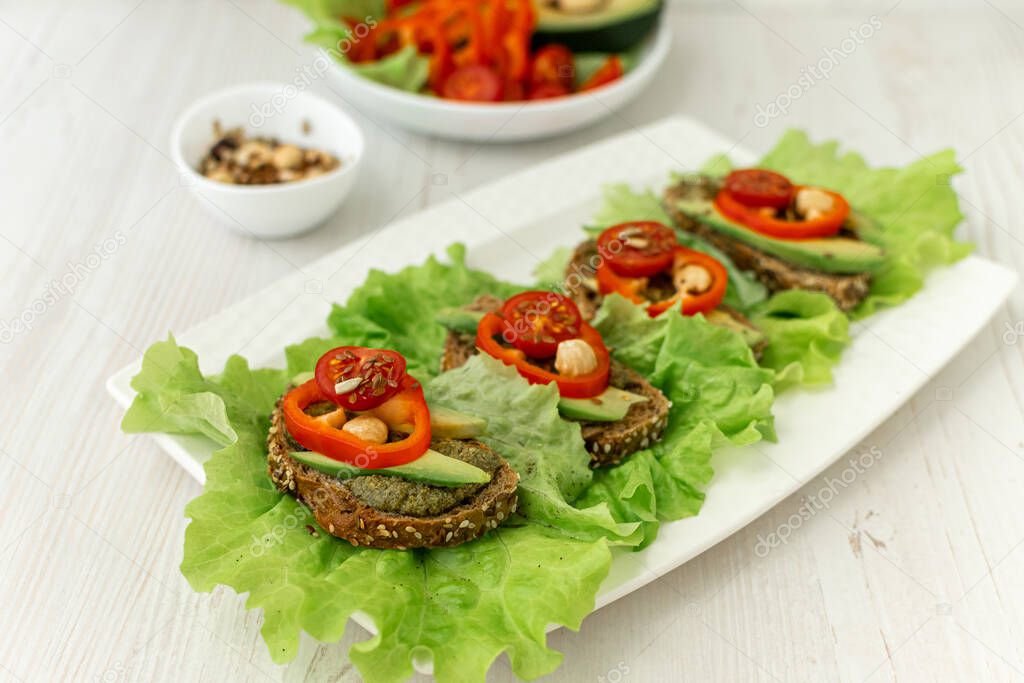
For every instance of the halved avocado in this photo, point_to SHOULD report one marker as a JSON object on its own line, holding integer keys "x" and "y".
{"x": 604, "y": 26}
{"x": 827, "y": 254}
{"x": 430, "y": 468}
{"x": 610, "y": 406}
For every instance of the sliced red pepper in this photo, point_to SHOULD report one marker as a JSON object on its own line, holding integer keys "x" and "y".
{"x": 610, "y": 71}
{"x": 407, "y": 407}
{"x": 515, "y": 56}
{"x": 583, "y": 386}
{"x": 764, "y": 220}
{"x": 608, "y": 281}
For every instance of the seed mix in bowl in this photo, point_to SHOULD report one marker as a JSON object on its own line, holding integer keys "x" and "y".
{"x": 238, "y": 159}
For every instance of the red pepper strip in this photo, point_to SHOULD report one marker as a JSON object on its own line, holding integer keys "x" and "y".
{"x": 440, "y": 57}
{"x": 319, "y": 436}
{"x": 766, "y": 223}
{"x": 582, "y": 386}
{"x": 516, "y": 56}
{"x": 610, "y": 71}
{"x": 609, "y": 281}
{"x": 494, "y": 26}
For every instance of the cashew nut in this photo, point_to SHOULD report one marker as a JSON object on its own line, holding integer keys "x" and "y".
{"x": 368, "y": 428}
{"x": 575, "y": 357}
{"x": 692, "y": 279}
{"x": 287, "y": 156}
{"x": 812, "y": 203}
{"x": 253, "y": 154}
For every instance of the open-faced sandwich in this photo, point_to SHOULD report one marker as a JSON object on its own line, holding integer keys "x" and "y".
{"x": 359, "y": 446}
{"x": 544, "y": 336}
{"x": 790, "y": 236}
{"x": 643, "y": 261}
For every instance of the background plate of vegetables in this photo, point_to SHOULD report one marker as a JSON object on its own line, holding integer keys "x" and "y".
{"x": 490, "y": 70}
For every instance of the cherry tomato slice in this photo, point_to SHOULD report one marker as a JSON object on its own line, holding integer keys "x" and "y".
{"x": 757, "y": 187}
{"x": 372, "y": 376}
{"x": 553, "y": 65}
{"x": 535, "y": 322}
{"x": 548, "y": 91}
{"x": 637, "y": 249}
{"x": 473, "y": 83}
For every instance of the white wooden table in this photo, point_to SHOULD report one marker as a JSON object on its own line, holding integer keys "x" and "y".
{"x": 913, "y": 572}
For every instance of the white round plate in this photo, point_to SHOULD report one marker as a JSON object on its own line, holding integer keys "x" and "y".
{"x": 508, "y": 121}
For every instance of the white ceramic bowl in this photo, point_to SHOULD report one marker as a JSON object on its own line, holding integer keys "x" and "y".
{"x": 508, "y": 121}
{"x": 279, "y": 111}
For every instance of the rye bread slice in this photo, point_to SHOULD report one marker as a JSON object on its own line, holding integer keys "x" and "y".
{"x": 607, "y": 442}
{"x": 581, "y": 286}
{"x": 848, "y": 290}
{"x": 338, "y": 511}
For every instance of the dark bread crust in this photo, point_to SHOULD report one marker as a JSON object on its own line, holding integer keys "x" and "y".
{"x": 607, "y": 442}
{"x": 341, "y": 514}
{"x": 848, "y": 290}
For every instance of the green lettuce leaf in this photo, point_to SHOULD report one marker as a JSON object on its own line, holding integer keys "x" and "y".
{"x": 174, "y": 397}
{"x": 915, "y": 207}
{"x": 548, "y": 452}
{"x": 807, "y": 334}
{"x": 397, "y": 310}
{"x": 406, "y": 69}
{"x": 719, "y": 395}
{"x": 550, "y": 273}
{"x": 464, "y": 605}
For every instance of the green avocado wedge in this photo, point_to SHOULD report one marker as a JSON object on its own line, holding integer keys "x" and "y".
{"x": 610, "y": 406}
{"x": 446, "y": 423}
{"x": 613, "y": 26}
{"x": 827, "y": 255}
{"x": 431, "y": 468}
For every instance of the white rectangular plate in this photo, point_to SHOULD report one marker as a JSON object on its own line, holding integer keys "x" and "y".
{"x": 509, "y": 225}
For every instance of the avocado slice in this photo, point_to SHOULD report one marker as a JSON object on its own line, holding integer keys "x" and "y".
{"x": 459, "y": 319}
{"x": 446, "y": 423}
{"x": 431, "y": 468}
{"x": 610, "y": 406}
{"x": 612, "y": 26}
{"x": 826, "y": 254}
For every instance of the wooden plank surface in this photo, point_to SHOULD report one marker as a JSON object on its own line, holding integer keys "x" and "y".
{"x": 911, "y": 573}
